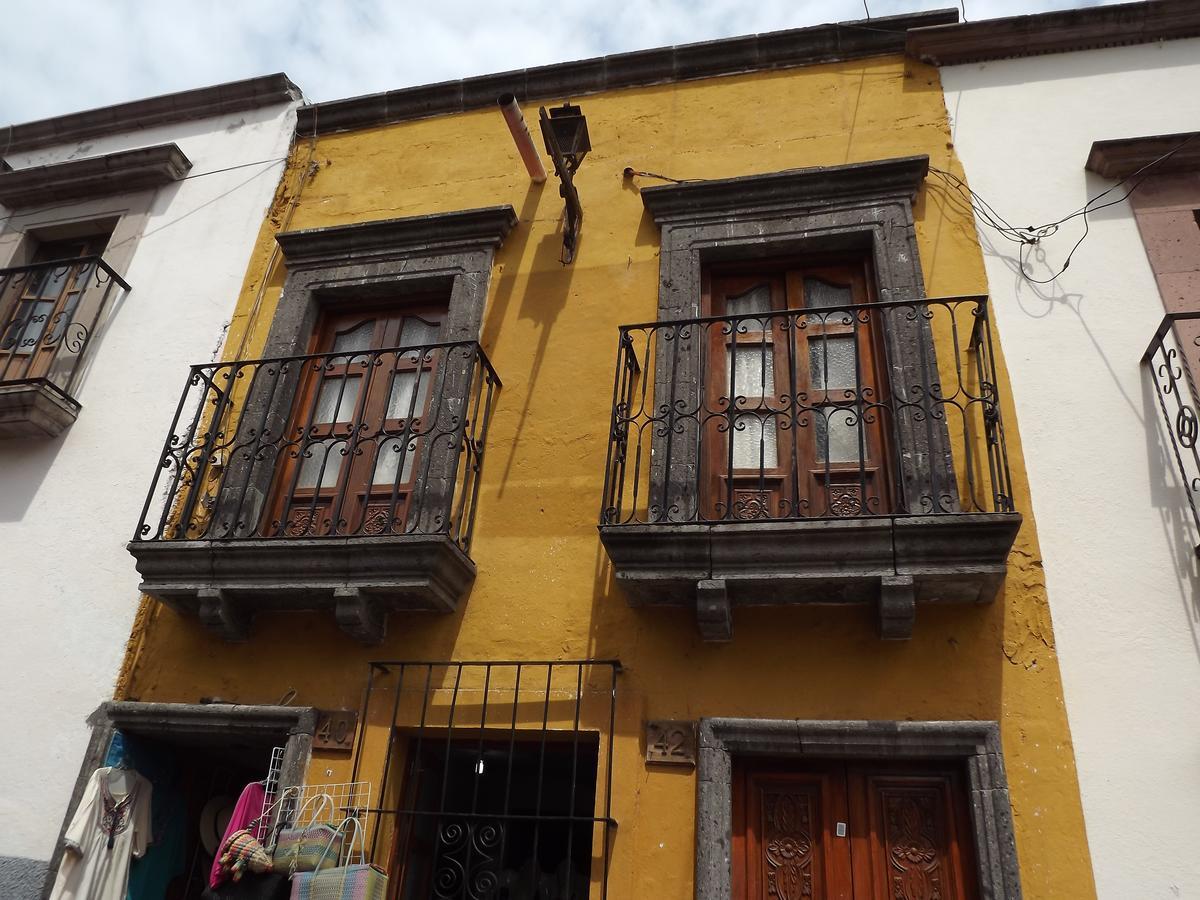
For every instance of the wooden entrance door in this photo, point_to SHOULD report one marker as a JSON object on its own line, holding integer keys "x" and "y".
{"x": 840, "y": 831}
{"x": 795, "y": 412}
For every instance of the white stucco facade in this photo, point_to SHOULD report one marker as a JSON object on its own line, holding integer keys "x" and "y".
{"x": 69, "y": 505}
{"x": 1110, "y": 510}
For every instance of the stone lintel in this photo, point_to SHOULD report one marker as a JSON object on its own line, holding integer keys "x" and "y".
{"x": 1121, "y": 157}
{"x": 121, "y": 172}
{"x": 747, "y": 196}
{"x": 425, "y": 235}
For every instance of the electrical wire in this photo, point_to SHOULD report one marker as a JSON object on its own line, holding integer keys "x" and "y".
{"x": 1032, "y": 235}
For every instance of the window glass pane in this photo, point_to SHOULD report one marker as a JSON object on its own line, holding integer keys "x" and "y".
{"x": 404, "y": 384}
{"x": 393, "y": 457}
{"x": 831, "y": 362}
{"x": 754, "y": 442}
{"x": 819, "y": 294}
{"x": 337, "y": 400}
{"x": 755, "y": 300}
{"x": 328, "y": 454}
{"x": 417, "y": 332}
{"x": 357, "y": 338}
{"x": 31, "y": 322}
{"x": 752, "y": 370}
{"x": 53, "y": 281}
{"x": 837, "y": 438}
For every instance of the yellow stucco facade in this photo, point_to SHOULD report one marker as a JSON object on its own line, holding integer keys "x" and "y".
{"x": 544, "y": 587}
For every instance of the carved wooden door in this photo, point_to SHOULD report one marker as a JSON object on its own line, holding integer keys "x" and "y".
{"x": 849, "y": 832}
{"x": 795, "y": 416}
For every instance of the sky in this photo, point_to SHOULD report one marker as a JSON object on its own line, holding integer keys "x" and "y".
{"x": 60, "y": 56}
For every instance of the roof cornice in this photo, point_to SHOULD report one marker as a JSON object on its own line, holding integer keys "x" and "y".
{"x": 200, "y": 103}
{"x": 1122, "y": 157}
{"x": 94, "y": 176}
{"x": 426, "y": 234}
{"x": 1055, "y": 32}
{"x": 728, "y": 56}
{"x": 790, "y": 189}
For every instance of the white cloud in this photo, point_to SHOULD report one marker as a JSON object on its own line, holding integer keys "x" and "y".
{"x": 58, "y": 56}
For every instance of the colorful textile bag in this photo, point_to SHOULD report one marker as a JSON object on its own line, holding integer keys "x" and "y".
{"x": 351, "y": 882}
{"x": 241, "y": 852}
{"x": 301, "y": 846}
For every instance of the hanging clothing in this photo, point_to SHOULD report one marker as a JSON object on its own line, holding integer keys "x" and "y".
{"x": 109, "y": 829}
{"x": 249, "y": 807}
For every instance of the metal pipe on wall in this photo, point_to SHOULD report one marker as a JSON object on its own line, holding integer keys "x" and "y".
{"x": 524, "y": 141}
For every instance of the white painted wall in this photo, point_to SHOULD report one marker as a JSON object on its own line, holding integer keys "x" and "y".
{"x": 67, "y": 507}
{"x": 1121, "y": 576}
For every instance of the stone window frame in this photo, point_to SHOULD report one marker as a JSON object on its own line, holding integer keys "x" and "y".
{"x": 975, "y": 744}
{"x": 446, "y": 253}
{"x": 862, "y": 208}
{"x": 293, "y": 725}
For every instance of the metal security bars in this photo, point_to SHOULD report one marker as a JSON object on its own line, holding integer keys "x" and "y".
{"x": 49, "y": 313}
{"x": 355, "y": 443}
{"x": 1171, "y": 359}
{"x": 872, "y": 409}
{"x": 496, "y": 776}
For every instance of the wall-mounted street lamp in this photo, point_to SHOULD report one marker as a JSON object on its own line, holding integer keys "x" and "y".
{"x": 565, "y": 132}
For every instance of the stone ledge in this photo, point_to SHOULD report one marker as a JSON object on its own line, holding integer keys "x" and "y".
{"x": 138, "y": 115}
{"x": 94, "y": 176}
{"x": 357, "y": 579}
{"x": 959, "y": 558}
{"x": 34, "y": 410}
{"x": 662, "y": 65}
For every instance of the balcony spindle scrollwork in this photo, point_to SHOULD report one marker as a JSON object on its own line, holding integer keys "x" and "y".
{"x": 49, "y": 314}
{"x": 874, "y": 409}
{"x": 1170, "y": 359}
{"x": 352, "y": 444}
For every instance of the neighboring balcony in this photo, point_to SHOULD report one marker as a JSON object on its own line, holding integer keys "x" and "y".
{"x": 344, "y": 481}
{"x": 1172, "y": 360}
{"x": 49, "y": 315}
{"x": 836, "y": 454}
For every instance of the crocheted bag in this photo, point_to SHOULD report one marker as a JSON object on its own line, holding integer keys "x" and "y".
{"x": 243, "y": 851}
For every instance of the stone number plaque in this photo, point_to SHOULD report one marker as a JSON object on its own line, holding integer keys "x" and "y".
{"x": 671, "y": 742}
{"x": 335, "y": 729}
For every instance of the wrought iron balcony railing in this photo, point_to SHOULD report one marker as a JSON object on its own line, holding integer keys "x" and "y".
{"x": 49, "y": 314}
{"x": 1172, "y": 358}
{"x": 875, "y": 409}
{"x": 346, "y": 444}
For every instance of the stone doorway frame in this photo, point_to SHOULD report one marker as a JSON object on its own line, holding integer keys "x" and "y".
{"x": 977, "y": 744}
{"x": 293, "y": 726}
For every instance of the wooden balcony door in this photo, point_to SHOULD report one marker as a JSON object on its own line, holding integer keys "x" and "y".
{"x": 357, "y": 427}
{"x": 840, "y": 831}
{"x": 794, "y": 418}
{"x": 45, "y": 308}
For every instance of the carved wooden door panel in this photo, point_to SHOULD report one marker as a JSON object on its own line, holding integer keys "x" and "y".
{"x": 838, "y": 832}
{"x": 910, "y": 835}
{"x": 787, "y": 846}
